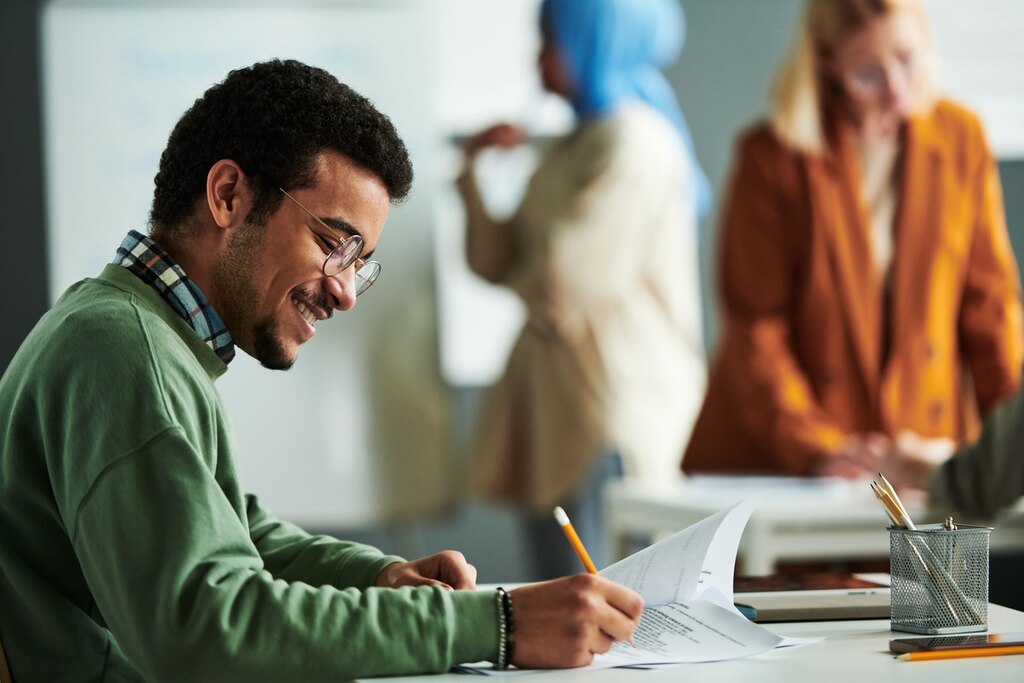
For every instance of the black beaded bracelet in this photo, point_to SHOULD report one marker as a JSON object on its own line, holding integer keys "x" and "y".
{"x": 510, "y": 624}
{"x": 506, "y": 627}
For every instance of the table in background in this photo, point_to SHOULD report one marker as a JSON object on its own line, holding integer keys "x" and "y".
{"x": 855, "y": 651}
{"x": 799, "y": 519}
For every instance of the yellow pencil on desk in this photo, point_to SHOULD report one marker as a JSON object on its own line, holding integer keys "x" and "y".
{"x": 962, "y": 653}
{"x": 574, "y": 540}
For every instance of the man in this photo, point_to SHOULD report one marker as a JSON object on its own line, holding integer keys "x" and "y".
{"x": 127, "y": 548}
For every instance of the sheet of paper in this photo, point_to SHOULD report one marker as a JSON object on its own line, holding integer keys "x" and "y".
{"x": 698, "y": 631}
{"x": 684, "y": 565}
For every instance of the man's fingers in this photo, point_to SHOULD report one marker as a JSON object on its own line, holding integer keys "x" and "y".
{"x": 625, "y": 600}
{"x": 617, "y": 625}
{"x": 452, "y": 567}
{"x": 603, "y": 642}
{"x": 564, "y": 622}
{"x": 414, "y": 579}
{"x": 464, "y": 584}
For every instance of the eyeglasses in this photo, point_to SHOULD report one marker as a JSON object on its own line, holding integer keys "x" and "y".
{"x": 345, "y": 254}
{"x": 872, "y": 79}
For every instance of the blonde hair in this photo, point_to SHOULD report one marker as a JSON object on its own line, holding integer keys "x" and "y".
{"x": 800, "y": 93}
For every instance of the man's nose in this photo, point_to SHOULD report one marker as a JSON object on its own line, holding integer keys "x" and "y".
{"x": 341, "y": 289}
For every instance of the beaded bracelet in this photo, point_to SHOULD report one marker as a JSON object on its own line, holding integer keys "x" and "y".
{"x": 506, "y": 627}
{"x": 510, "y": 623}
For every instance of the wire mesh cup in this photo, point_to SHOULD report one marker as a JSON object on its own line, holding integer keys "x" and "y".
{"x": 939, "y": 578}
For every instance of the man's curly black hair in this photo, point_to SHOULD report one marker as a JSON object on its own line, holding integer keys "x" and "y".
{"x": 274, "y": 118}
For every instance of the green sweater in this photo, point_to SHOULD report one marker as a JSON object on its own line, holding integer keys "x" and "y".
{"x": 128, "y": 550}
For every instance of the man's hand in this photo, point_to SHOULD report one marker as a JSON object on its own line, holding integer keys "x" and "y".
{"x": 447, "y": 569}
{"x": 564, "y": 622}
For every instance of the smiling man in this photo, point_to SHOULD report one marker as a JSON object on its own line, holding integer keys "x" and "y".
{"x": 128, "y": 550}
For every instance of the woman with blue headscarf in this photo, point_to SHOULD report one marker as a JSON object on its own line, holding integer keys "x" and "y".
{"x": 608, "y": 372}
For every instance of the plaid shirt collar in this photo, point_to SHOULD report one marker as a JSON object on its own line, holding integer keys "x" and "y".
{"x": 154, "y": 266}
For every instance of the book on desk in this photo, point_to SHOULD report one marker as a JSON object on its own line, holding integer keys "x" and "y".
{"x": 824, "y": 596}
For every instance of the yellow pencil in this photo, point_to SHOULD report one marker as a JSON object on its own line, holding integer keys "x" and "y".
{"x": 962, "y": 653}
{"x": 888, "y": 504}
{"x": 574, "y": 540}
{"x": 895, "y": 499}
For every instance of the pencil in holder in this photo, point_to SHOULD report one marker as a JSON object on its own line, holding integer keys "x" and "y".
{"x": 939, "y": 578}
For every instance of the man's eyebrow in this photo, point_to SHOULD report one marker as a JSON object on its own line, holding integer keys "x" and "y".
{"x": 343, "y": 226}
{"x": 339, "y": 225}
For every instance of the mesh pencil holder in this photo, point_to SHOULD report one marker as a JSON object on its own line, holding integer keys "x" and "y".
{"x": 939, "y": 578}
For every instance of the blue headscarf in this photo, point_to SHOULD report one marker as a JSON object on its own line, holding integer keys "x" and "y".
{"x": 614, "y": 50}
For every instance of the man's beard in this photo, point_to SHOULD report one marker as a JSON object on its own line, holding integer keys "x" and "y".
{"x": 234, "y": 282}
{"x": 268, "y": 349}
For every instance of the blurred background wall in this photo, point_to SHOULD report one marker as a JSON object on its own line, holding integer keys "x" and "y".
{"x": 365, "y": 436}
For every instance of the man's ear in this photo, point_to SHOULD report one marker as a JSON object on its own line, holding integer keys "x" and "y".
{"x": 228, "y": 194}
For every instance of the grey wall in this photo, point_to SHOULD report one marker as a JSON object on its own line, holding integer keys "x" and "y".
{"x": 732, "y": 49}
{"x": 1012, "y": 175}
{"x": 23, "y": 282}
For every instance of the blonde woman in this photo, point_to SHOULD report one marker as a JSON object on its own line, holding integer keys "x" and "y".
{"x": 867, "y": 280}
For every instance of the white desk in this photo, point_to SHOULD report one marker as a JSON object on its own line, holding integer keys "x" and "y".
{"x": 809, "y": 520}
{"x": 855, "y": 651}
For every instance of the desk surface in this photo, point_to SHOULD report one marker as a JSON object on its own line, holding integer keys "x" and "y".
{"x": 856, "y": 651}
{"x": 798, "y": 519}
{"x": 786, "y": 499}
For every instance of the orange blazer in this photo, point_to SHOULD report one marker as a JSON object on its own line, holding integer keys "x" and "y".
{"x": 802, "y": 363}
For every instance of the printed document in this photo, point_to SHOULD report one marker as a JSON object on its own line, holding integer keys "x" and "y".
{"x": 686, "y": 582}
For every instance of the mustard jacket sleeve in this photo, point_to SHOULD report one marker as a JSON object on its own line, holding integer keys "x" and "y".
{"x": 764, "y": 245}
{"x": 990, "y": 316}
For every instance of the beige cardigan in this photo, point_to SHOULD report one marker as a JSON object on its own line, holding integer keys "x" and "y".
{"x": 603, "y": 253}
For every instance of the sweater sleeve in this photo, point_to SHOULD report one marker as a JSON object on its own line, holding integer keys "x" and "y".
{"x": 987, "y": 476}
{"x": 774, "y": 401}
{"x": 290, "y": 553}
{"x": 182, "y": 586}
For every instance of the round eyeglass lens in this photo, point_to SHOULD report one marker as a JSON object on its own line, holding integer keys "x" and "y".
{"x": 344, "y": 255}
{"x": 366, "y": 276}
